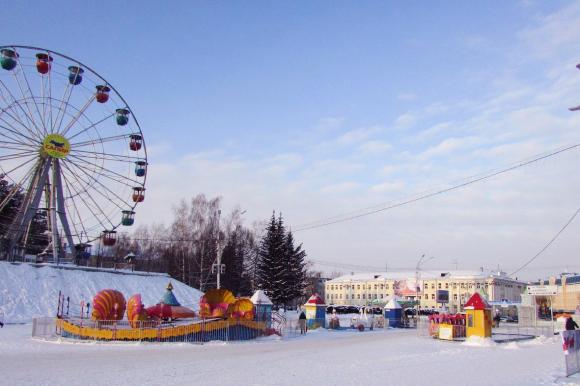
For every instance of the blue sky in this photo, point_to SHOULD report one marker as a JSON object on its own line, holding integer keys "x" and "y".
{"x": 321, "y": 108}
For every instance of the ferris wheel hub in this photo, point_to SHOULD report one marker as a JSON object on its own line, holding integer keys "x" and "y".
{"x": 56, "y": 146}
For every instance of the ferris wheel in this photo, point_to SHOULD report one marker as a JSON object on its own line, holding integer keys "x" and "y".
{"x": 71, "y": 151}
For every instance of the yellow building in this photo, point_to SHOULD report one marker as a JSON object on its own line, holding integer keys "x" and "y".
{"x": 567, "y": 298}
{"x": 376, "y": 288}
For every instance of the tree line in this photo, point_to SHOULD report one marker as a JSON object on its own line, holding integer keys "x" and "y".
{"x": 258, "y": 257}
{"x": 263, "y": 256}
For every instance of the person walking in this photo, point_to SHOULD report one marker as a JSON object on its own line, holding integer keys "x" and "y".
{"x": 302, "y": 322}
{"x": 571, "y": 325}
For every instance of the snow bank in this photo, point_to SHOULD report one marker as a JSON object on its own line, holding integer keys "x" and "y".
{"x": 29, "y": 290}
{"x": 477, "y": 341}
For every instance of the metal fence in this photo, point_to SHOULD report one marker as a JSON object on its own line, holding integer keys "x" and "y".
{"x": 505, "y": 330}
{"x": 201, "y": 331}
{"x": 44, "y": 328}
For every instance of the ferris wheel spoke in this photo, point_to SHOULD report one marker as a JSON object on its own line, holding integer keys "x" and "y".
{"x": 105, "y": 170}
{"x": 17, "y": 119}
{"x": 19, "y": 148}
{"x": 100, "y": 157}
{"x": 108, "y": 156}
{"x": 17, "y": 187}
{"x": 99, "y": 140}
{"x": 84, "y": 130}
{"x": 17, "y": 155}
{"x": 78, "y": 115}
{"x": 31, "y": 95}
{"x": 62, "y": 108}
{"x": 82, "y": 198}
{"x": 72, "y": 187}
{"x": 76, "y": 209}
{"x": 22, "y": 137}
{"x": 17, "y": 103}
{"x": 19, "y": 166}
{"x": 95, "y": 180}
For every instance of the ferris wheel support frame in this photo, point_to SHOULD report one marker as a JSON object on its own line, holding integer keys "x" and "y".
{"x": 55, "y": 207}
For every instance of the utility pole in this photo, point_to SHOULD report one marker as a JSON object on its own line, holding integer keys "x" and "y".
{"x": 219, "y": 267}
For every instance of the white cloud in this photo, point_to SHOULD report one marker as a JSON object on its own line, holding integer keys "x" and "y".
{"x": 555, "y": 34}
{"x": 406, "y": 96}
{"x": 357, "y": 135}
{"x": 405, "y": 120}
{"x": 374, "y": 147}
{"x": 387, "y": 187}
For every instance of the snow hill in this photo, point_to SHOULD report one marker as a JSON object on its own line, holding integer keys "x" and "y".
{"x": 29, "y": 290}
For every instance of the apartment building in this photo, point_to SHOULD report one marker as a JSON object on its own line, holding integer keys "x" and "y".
{"x": 376, "y": 288}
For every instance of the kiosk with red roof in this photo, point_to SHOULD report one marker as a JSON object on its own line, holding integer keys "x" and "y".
{"x": 478, "y": 314}
{"x": 315, "y": 312}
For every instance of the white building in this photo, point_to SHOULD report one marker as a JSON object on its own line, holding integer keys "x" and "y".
{"x": 377, "y": 288}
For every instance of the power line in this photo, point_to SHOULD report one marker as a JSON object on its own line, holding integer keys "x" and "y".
{"x": 549, "y": 243}
{"x": 438, "y": 192}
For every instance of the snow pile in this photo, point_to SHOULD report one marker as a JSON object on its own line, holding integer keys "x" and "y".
{"x": 28, "y": 290}
{"x": 478, "y": 341}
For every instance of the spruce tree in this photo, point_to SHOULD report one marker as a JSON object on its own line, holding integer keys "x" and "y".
{"x": 270, "y": 252}
{"x": 281, "y": 268}
{"x": 296, "y": 268}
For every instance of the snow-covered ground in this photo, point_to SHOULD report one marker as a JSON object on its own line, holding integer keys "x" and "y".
{"x": 322, "y": 357}
{"x": 27, "y": 290}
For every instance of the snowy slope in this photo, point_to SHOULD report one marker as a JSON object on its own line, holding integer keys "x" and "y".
{"x": 32, "y": 290}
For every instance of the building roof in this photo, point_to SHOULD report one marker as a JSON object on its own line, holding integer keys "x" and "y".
{"x": 259, "y": 297}
{"x": 477, "y": 302}
{"x": 423, "y": 275}
{"x": 315, "y": 299}
{"x": 392, "y": 305}
{"x": 571, "y": 278}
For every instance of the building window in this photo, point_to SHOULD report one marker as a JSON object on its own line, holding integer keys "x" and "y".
{"x": 386, "y": 286}
{"x": 432, "y": 286}
{"x": 446, "y": 285}
{"x": 426, "y": 286}
{"x": 439, "y": 285}
{"x": 364, "y": 296}
{"x": 382, "y": 286}
{"x": 381, "y": 296}
{"x": 358, "y": 296}
{"x": 455, "y": 297}
{"x": 358, "y": 286}
{"x": 432, "y": 296}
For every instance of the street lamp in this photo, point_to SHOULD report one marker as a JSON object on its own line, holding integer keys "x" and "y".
{"x": 417, "y": 285}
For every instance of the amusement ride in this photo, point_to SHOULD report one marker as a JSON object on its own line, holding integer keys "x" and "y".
{"x": 70, "y": 148}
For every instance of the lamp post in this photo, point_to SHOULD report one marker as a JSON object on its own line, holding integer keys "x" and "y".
{"x": 417, "y": 285}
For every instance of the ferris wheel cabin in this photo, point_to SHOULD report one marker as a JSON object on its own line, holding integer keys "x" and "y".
{"x": 102, "y": 94}
{"x": 122, "y": 116}
{"x": 43, "y": 63}
{"x": 136, "y": 141}
{"x": 128, "y": 218}
{"x": 8, "y": 59}
{"x": 109, "y": 238}
{"x": 75, "y": 76}
{"x": 138, "y": 194}
{"x": 140, "y": 168}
